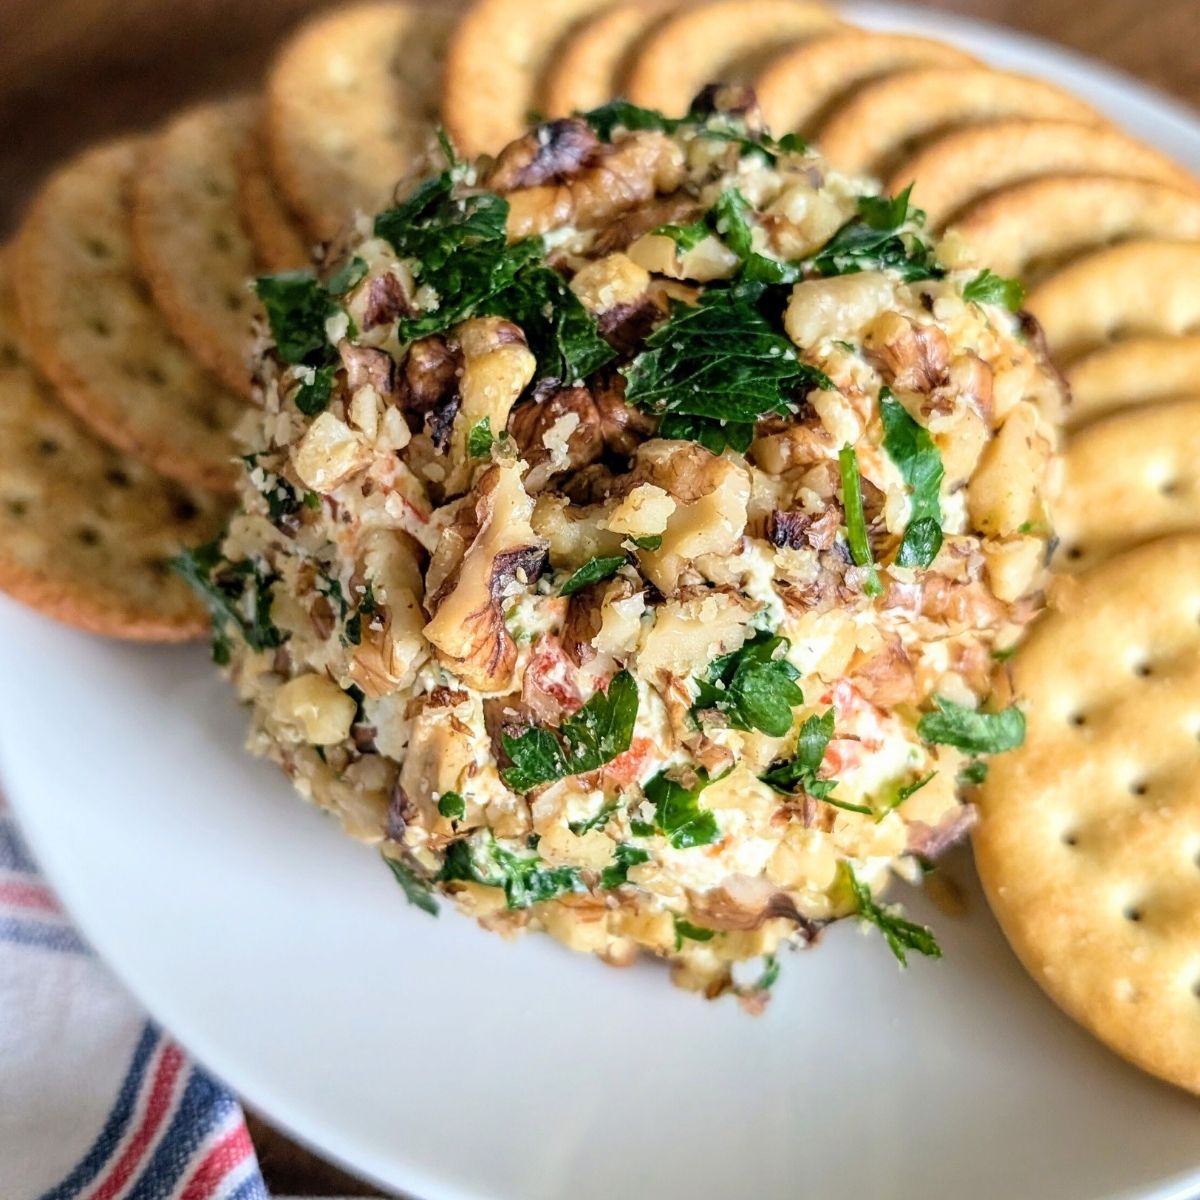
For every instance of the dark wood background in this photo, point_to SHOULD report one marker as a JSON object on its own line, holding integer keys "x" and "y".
{"x": 72, "y": 71}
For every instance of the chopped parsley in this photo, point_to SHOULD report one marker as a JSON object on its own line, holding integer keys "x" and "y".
{"x": 753, "y": 687}
{"x": 297, "y": 308}
{"x": 479, "y": 440}
{"x": 579, "y": 828}
{"x": 348, "y": 276}
{"x": 416, "y": 890}
{"x": 901, "y": 935}
{"x": 974, "y": 773}
{"x": 685, "y": 237}
{"x": 987, "y": 288}
{"x": 316, "y": 386}
{"x": 652, "y": 541}
{"x": 595, "y": 735}
{"x": 679, "y": 816}
{"x": 621, "y": 114}
{"x": 526, "y": 879}
{"x": 366, "y": 608}
{"x": 617, "y": 872}
{"x": 452, "y": 806}
{"x": 730, "y": 217}
{"x": 874, "y": 241}
{"x": 971, "y": 730}
{"x": 901, "y": 794}
{"x": 693, "y": 933}
{"x": 592, "y": 572}
{"x": 712, "y": 434}
{"x": 800, "y": 772}
{"x": 920, "y": 464}
{"x": 856, "y": 521}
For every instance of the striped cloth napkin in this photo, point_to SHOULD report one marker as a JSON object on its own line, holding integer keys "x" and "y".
{"x": 96, "y": 1102}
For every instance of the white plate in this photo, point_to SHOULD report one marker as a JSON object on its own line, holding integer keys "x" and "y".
{"x": 446, "y": 1063}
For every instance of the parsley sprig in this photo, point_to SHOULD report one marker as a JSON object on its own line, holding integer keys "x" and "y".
{"x": 920, "y": 463}
{"x": 800, "y": 772}
{"x": 754, "y": 687}
{"x": 901, "y": 934}
{"x": 679, "y": 815}
{"x": 969, "y": 729}
{"x": 881, "y": 237}
{"x": 856, "y": 521}
{"x": 526, "y": 879}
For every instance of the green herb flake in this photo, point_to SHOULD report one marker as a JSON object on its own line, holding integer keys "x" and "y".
{"x": 621, "y": 114}
{"x": 592, "y": 572}
{"x": 416, "y": 890}
{"x": 901, "y": 935}
{"x": 526, "y": 880}
{"x": 731, "y": 217}
{"x": 479, "y": 440}
{"x": 617, "y": 872}
{"x": 800, "y": 772}
{"x": 920, "y": 464}
{"x": 753, "y": 687}
{"x": 685, "y": 237}
{"x": 973, "y": 774}
{"x": 579, "y": 828}
{"x": 312, "y": 396}
{"x": 1004, "y": 654}
{"x": 347, "y": 277}
{"x": 297, "y": 307}
{"x": 874, "y": 241}
{"x": 595, "y": 735}
{"x": 711, "y": 434}
{"x": 452, "y": 806}
{"x": 652, "y": 541}
{"x": 971, "y": 730}
{"x": 693, "y": 933}
{"x": 987, "y": 288}
{"x": 679, "y": 815}
{"x": 901, "y": 794}
{"x": 856, "y": 521}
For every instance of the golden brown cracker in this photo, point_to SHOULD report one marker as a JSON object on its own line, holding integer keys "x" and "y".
{"x": 964, "y": 166}
{"x": 800, "y": 87}
{"x": 189, "y": 242}
{"x": 724, "y": 41}
{"x": 351, "y": 105}
{"x": 496, "y": 57}
{"x": 1030, "y": 228}
{"x": 1130, "y": 373}
{"x": 1140, "y": 287}
{"x": 884, "y": 122}
{"x": 1089, "y": 842}
{"x": 1127, "y": 479}
{"x": 85, "y": 531}
{"x": 279, "y": 242}
{"x": 590, "y": 67}
{"x": 92, "y": 328}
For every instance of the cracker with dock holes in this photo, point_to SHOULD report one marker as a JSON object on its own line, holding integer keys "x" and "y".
{"x": 189, "y": 242}
{"x": 1030, "y": 228}
{"x": 1134, "y": 289}
{"x": 1140, "y": 370}
{"x": 1089, "y": 839}
{"x": 351, "y": 106}
{"x": 884, "y": 122}
{"x": 963, "y": 167}
{"x": 92, "y": 328}
{"x": 801, "y": 86}
{"x": 279, "y": 242}
{"x": 85, "y": 531}
{"x": 726, "y": 41}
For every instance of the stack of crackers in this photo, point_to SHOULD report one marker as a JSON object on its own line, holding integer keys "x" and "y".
{"x": 126, "y": 321}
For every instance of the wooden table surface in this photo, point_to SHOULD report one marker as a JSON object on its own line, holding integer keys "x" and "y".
{"x": 75, "y": 70}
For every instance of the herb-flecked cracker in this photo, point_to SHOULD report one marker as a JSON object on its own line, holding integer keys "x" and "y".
{"x": 885, "y": 121}
{"x": 85, "y": 531}
{"x": 1127, "y": 479}
{"x": 589, "y": 69}
{"x": 799, "y": 87}
{"x": 92, "y": 328}
{"x": 1029, "y": 228}
{"x": 279, "y": 242}
{"x": 1139, "y": 370}
{"x": 1139, "y": 287}
{"x": 724, "y": 41}
{"x": 351, "y": 104}
{"x": 966, "y": 165}
{"x": 495, "y": 60}
{"x": 188, "y": 239}
{"x": 1090, "y": 833}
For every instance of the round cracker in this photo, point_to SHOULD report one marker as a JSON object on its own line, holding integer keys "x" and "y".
{"x": 351, "y": 103}
{"x": 279, "y": 242}
{"x": 1030, "y": 228}
{"x": 85, "y": 531}
{"x": 189, "y": 242}
{"x": 884, "y": 122}
{"x": 1089, "y": 837}
{"x": 590, "y": 67}
{"x": 799, "y": 88}
{"x": 1127, "y": 479}
{"x": 1133, "y": 372}
{"x": 964, "y": 166}
{"x": 494, "y": 62}
{"x": 725, "y": 41}
{"x": 1141, "y": 287}
{"x": 94, "y": 331}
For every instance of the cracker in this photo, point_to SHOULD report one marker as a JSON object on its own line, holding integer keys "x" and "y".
{"x": 1141, "y": 287}
{"x": 85, "y": 531}
{"x": 726, "y": 41}
{"x": 494, "y": 62}
{"x": 351, "y": 104}
{"x": 884, "y": 122}
{"x": 1128, "y": 479}
{"x": 1028, "y": 229}
{"x": 1089, "y": 842}
{"x": 799, "y": 88}
{"x": 189, "y": 242}
{"x": 93, "y": 330}
{"x": 590, "y": 67}
{"x": 279, "y": 242}
{"x": 1133, "y": 372}
{"x": 964, "y": 166}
